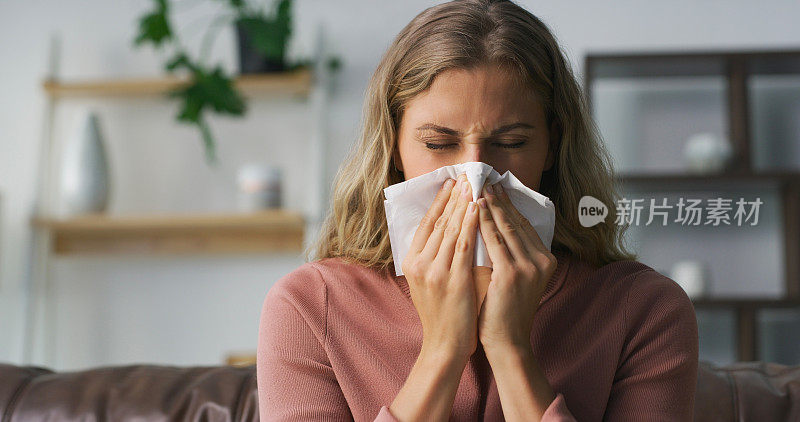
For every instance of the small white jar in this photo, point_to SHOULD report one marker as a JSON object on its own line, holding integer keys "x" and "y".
{"x": 259, "y": 187}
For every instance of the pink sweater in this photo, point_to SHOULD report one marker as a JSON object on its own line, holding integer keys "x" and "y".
{"x": 337, "y": 342}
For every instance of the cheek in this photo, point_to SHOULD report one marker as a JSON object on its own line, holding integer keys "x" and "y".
{"x": 424, "y": 163}
{"x": 531, "y": 180}
{"x": 528, "y": 171}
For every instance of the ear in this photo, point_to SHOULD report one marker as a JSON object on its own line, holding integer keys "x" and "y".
{"x": 552, "y": 147}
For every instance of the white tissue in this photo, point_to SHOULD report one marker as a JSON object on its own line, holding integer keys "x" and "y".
{"x": 407, "y": 202}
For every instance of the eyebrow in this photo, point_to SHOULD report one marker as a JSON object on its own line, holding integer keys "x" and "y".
{"x": 453, "y": 132}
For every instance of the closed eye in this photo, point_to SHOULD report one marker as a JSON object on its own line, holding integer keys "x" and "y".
{"x": 438, "y": 146}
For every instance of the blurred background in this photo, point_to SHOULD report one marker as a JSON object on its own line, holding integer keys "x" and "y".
{"x": 136, "y": 227}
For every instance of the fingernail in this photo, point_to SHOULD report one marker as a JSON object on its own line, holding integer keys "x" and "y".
{"x": 489, "y": 189}
{"x": 499, "y": 188}
{"x": 465, "y": 189}
{"x": 449, "y": 183}
{"x": 482, "y": 202}
{"x": 471, "y": 207}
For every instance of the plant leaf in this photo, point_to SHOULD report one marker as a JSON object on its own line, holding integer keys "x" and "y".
{"x": 222, "y": 95}
{"x": 213, "y": 90}
{"x": 283, "y": 17}
{"x": 208, "y": 142}
{"x": 236, "y": 3}
{"x": 334, "y": 63}
{"x": 154, "y": 26}
{"x": 180, "y": 60}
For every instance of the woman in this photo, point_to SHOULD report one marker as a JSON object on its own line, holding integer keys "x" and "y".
{"x": 580, "y": 333}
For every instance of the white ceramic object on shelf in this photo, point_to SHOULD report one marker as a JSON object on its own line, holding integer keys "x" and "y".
{"x": 259, "y": 187}
{"x": 84, "y": 173}
{"x": 692, "y": 276}
{"x": 706, "y": 153}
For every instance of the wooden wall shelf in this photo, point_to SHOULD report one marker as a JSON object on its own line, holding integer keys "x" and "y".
{"x": 297, "y": 83}
{"x": 278, "y": 231}
{"x": 267, "y": 231}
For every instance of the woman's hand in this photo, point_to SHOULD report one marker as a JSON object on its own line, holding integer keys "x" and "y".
{"x": 438, "y": 268}
{"x": 521, "y": 267}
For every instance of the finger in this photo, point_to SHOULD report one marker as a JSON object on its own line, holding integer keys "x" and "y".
{"x": 492, "y": 238}
{"x": 426, "y": 224}
{"x": 509, "y": 229}
{"x": 529, "y": 234}
{"x": 451, "y": 233}
{"x": 432, "y": 244}
{"x": 464, "y": 254}
{"x": 539, "y": 253}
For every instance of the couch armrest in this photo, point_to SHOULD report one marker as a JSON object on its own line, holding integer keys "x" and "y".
{"x": 151, "y": 392}
{"x": 747, "y": 391}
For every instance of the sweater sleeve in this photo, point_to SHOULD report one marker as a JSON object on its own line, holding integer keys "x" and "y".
{"x": 657, "y": 372}
{"x": 385, "y": 415}
{"x": 557, "y": 411}
{"x": 294, "y": 375}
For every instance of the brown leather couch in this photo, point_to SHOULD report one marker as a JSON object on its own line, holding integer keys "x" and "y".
{"x": 743, "y": 391}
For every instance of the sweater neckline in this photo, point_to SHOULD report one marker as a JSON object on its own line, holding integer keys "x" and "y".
{"x": 553, "y": 284}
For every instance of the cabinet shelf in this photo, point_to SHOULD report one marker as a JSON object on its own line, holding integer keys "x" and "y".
{"x": 297, "y": 83}
{"x": 264, "y": 231}
{"x": 749, "y": 303}
{"x": 746, "y": 311}
{"x": 735, "y": 70}
{"x": 690, "y": 63}
{"x": 781, "y": 177}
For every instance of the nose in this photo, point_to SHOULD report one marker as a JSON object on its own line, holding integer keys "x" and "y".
{"x": 473, "y": 152}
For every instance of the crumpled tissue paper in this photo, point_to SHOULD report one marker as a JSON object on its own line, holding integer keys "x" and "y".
{"x": 407, "y": 202}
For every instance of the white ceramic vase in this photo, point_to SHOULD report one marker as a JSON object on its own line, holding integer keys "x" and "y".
{"x": 84, "y": 173}
{"x": 707, "y": 153}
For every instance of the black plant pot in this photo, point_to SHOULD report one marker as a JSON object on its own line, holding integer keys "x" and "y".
{"x": 251, "y": 60}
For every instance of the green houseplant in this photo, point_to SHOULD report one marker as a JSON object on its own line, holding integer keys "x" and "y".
{"x": 210, "y": 87}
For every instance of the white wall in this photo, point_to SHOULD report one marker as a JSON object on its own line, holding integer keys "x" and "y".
{"x": 193, "y": 310}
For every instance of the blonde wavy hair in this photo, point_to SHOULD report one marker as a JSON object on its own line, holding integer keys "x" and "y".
{"x": 465, "y": 34}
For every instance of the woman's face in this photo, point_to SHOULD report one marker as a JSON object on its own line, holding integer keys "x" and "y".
{"x": 478, "y": 114}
